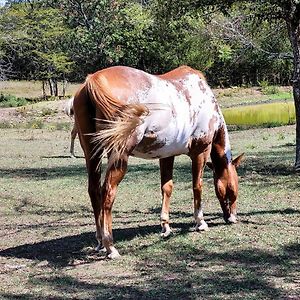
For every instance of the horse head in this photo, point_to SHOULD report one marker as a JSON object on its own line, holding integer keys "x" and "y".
{"x": 226, "y": 186}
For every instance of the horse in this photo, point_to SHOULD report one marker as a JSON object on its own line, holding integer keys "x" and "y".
{"x": 70, "y": 112}
{"x": 125, "y": 112}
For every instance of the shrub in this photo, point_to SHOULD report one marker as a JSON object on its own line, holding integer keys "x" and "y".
{"x": 267, "y": 89}
{"x": 11, "y": 101}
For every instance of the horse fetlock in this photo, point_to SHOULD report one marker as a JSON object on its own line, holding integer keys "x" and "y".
{"x": 198, "y": 215}
{"x": 164, "y": 217}
{"x": 100, "y": 248}
{"x": 201, "y": 226}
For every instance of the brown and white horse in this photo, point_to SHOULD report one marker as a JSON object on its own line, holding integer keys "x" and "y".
{"x": 125, "y": 111}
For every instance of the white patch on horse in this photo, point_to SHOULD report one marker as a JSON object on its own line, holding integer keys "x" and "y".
{"x": 180, "y": 114}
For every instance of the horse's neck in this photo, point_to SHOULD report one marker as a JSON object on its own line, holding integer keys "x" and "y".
{"x": 221, "y": 151}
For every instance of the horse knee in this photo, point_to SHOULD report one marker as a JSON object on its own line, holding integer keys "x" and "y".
{"x": 198, "y": 185}
{"x": 167, "y": 188}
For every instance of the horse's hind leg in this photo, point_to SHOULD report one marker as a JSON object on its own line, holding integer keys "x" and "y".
{"x": 85, "y": 125}
{"x": 73, "y": 137}
{"x": 166, "y": 175}
{"x": 115, "y": 173}
{"x": 198, "y": 164}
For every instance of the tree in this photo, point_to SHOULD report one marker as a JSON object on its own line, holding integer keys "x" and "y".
{"x": 247, "y": 53}
{"x": 34, "y": 40}
{"x": 272, "y": 10}
{"x": 94, "y": 26}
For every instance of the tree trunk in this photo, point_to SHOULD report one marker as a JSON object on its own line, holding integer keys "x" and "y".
{"x": 64, "y": 87}
{"x": 55, "y": 85}
{"x": 294, "y": 35}
{"x": 44, "y": 89}
{"x": 51, "y": 86}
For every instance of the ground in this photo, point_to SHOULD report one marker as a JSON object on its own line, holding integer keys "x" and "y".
{"x": 47, "y": 229}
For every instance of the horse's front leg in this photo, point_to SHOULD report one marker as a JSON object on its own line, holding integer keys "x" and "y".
{"x": 198, "y": 164}
{"x": 115, "y": 173}
{"x": 166, "y": 175}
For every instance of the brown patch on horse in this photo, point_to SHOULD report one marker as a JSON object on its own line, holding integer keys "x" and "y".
{"x": 179, "y": 72}
{"x": 149, "y": 143}
{"x": 202, "y": 86}
{"x": 197, "y": 146}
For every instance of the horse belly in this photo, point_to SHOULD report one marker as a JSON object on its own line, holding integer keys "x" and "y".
{"x": 160, "y": 145}
{"x": 162, "y": 136}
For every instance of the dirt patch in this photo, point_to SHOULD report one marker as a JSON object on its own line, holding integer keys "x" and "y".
{"x": 51, "y": 111}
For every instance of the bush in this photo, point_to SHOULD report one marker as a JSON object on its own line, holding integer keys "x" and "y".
{"x": 11, "y": 101}
{"x": 267, "y": 89}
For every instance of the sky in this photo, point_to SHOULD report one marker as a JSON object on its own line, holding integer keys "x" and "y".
{"x": 2, "y": 2}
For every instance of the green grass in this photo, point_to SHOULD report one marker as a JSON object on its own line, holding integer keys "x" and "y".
{"x": 47, "y": 228}
{"x": 261, "y": 115}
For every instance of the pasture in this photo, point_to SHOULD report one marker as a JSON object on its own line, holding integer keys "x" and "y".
{"x": 47, "y": 226}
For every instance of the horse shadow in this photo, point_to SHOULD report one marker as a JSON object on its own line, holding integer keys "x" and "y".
{"x": 61, "y": 252}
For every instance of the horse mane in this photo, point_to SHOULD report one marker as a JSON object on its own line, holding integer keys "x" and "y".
{"x": 120, "y": 119}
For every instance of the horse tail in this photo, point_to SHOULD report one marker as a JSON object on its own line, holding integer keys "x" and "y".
{"x": 120, "y": 119}
{"x": 69, "y": 110}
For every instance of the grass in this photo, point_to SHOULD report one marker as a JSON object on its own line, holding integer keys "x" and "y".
{"x": 261, "y": 115}
{"x": 47, "y": 228}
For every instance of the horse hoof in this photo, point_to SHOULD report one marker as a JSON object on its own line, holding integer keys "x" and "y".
{"x": 114, "y": 254}
{"x": 231, "y": 220}
{"x": 202, "y": 227}
{"x": 166, "y": 234}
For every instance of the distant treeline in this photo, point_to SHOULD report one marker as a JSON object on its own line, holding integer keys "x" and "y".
{"x": 59, "y": 40}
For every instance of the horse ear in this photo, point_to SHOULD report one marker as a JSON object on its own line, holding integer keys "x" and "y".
{"x": 237, "y": 161}
{"x": 210, "y": 165}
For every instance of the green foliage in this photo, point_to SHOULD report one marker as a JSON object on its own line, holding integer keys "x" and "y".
{"x": 11, "y": 101}
{"x": 57, "y": 39}
{"x": 35, "y": 37}
{"x": 225, "y": 53}
{"x": 268, "y": 89}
